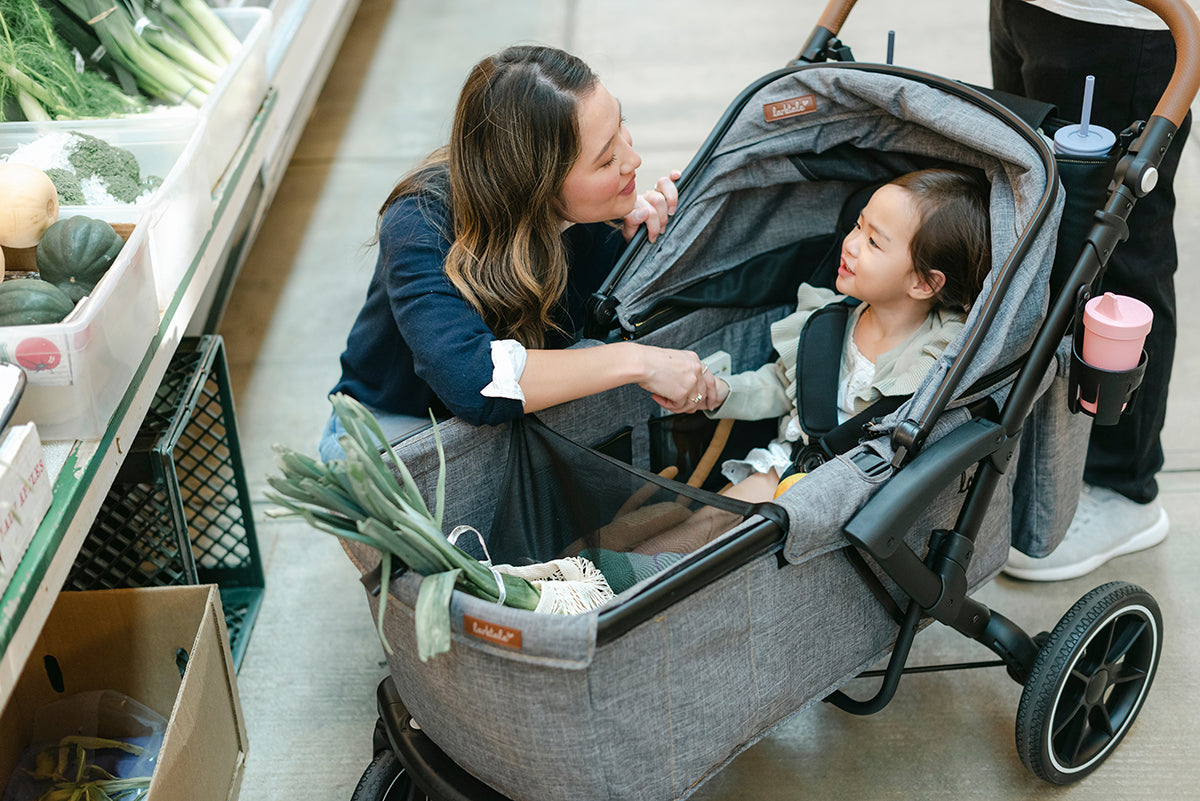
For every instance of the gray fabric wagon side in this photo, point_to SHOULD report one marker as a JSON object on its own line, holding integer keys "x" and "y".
{"x": 543, "y": 707}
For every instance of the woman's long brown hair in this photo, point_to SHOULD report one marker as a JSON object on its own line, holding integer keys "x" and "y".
{"x": 514, "y": 140}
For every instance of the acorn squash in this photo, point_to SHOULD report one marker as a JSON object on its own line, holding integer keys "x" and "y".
{"x": 75, "y": 252}
{"x": 29, "y": 301}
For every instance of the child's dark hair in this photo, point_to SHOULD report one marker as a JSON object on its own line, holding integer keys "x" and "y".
{"x": 953, "y": 235}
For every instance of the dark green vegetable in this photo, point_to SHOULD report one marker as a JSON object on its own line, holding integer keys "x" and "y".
{"x": 70, "y": 193}
{"x": 76, "y": 252}
{"x": 29, "y": 301}
{"x": 116, "y": 167}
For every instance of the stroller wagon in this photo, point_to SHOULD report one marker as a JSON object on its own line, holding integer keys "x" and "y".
{"x": 706, "y": 648}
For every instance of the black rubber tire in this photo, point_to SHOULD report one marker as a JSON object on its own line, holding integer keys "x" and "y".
{"x": 1088, "y": 682}
{"x": 385, "y": 780}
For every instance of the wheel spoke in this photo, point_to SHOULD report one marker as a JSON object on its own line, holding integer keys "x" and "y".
{"x": 1069, "y": 737}
{"x": 1100, "y": 647}
{"x": 1066, "y": 715}
{"x": 1131, "y": 630}
{"x": 1099, "y": 718}
{"x": 1130, "y": 674}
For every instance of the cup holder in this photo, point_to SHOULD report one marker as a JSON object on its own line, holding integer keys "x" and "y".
{"x": 1112, "y": 392}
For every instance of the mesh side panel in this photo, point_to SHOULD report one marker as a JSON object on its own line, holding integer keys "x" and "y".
{"x": 134, "y": 542}
{"x": 241, "y": 605}
{"x": 562, "y": 499}
{"x": 182, "y": 482}
{"x": 208, "y": 485}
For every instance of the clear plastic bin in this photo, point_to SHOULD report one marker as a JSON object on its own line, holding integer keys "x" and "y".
{"x": 233, "y": 102}
{"x": 180, "y": 212}
{"x": 78, "y": 370}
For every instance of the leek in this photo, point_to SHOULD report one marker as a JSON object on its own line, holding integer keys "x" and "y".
{"x": 359, "y": 498}
{"x": 170, "y": 54}
{"x": 154, "y": 72}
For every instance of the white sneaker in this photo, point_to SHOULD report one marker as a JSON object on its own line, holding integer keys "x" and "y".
{"x": 1106, "y": 524}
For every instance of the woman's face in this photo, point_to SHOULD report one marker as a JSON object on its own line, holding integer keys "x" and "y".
{"x": 876, "y": 265}
{"x": 602, "y": 184}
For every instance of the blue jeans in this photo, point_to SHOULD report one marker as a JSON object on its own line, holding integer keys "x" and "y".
{"x": 395, "y": 427}
{"x": 1046, "y": 56}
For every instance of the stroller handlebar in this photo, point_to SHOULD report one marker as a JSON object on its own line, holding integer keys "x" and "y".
{"x": 834, "y": 15}
{"x": 1177, "y": 14}
{"x": 1185, "y": 30}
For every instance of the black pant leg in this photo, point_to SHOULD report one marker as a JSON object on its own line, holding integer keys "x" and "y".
{"x": 1046, "y": 56}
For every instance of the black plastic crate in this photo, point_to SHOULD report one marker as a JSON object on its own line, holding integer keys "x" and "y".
{"x": 179, "y": 510}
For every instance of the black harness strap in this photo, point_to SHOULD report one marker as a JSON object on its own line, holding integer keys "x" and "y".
{"x": 818, "y": 362}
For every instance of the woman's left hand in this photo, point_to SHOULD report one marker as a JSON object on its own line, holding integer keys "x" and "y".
{"x": 653, "y": 208}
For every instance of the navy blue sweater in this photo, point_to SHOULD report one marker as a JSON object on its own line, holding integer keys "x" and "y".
{"x": 417, "y": 345}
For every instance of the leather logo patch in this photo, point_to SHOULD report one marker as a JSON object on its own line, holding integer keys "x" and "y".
{"x": 492, "y": 632}
{"x": 792, "y": 107}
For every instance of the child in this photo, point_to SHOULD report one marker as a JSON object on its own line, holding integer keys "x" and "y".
{"x": 916, "y": 259}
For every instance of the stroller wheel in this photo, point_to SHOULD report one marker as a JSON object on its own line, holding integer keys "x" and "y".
{"x": 385, "y": 780}
{"x": 1088, "y": 682}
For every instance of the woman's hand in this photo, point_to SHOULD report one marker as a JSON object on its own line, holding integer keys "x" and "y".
{"x": 677, "y": 379}
{"x": 653, "y": 208}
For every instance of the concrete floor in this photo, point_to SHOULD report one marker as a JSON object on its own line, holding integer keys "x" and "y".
{"x": 307, "y": 683}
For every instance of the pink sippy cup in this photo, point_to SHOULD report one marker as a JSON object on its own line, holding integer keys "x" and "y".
{"x": 1114, "y": 331}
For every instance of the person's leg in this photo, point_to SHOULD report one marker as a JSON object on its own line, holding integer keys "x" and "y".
{"x": 755, "y": 488}
{"x": 1132, "y": 68}
{"x": 1046, "y": 56}
{"x": 329, "y": 448}
{"x": 395, "y": 427}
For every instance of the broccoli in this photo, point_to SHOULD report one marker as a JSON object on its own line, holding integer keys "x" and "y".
{"x": 70, "y": 193}
{"x": 114, "y": 167}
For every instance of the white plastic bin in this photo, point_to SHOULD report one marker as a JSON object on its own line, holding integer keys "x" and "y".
{"x": 180, "y": 211}
{"x": 78, "y": 370}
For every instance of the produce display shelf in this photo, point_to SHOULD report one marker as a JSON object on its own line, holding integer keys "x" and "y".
{"x": 92, "y": 465}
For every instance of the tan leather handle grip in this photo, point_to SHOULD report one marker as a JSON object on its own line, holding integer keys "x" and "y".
{"x": 834, "y": 15}
{"x": 1185, "y": 30}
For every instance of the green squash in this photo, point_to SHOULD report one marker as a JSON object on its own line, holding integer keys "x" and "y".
{"x": 75, "y": 252}
{"x": 28, "y": 301}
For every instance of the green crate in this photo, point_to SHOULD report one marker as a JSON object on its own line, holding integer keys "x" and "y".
{"x": 179, "y": 510}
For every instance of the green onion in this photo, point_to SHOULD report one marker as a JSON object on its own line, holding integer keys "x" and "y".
{"x": 359, "y": 498}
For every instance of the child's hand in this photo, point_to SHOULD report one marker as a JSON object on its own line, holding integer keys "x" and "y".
{"x": 716, "y": 395}
{"x": 653, "y": 208}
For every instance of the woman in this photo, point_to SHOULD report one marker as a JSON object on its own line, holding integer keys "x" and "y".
{"x": 488, "y": 250}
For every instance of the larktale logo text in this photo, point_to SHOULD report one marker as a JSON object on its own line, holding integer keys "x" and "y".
{"x": 792, "y": 107}
{"x": 492, "y": 632}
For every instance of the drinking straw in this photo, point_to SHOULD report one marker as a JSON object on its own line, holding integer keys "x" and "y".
{"x": 1089, "y": 85}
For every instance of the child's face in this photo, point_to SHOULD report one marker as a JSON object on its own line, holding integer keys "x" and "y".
{"x": 876, "y": 266}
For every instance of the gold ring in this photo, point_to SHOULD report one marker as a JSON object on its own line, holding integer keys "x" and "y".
{"x": 697, "y": 399}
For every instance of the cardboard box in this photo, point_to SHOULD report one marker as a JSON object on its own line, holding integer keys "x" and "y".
{"x": 134, "y": 641}
{"x": 25, "y": 494}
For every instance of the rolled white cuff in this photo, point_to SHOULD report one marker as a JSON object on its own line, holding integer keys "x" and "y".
{"x": 508, "y": 365}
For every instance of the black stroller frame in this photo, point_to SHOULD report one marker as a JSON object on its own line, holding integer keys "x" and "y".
{"x": 1112, "y": 637}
